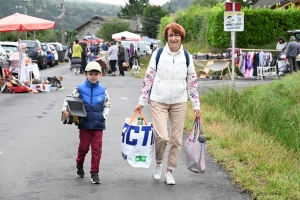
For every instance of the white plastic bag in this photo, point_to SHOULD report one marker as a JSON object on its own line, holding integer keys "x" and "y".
{"x": 137, "y": 142}
{"x": 195, "y": 149}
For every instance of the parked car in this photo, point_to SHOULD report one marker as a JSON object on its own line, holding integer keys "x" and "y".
{"x": 54, "y": 53}
{"x": 50, "y": 55}
{"x": 10, "y": 46}
{"x": 35, "y": 52}
{"x": 295, "y": 33}
{"x": 4, "y": 62}
{"x": 140, "y": 47}
{"x": 60, "y": 50}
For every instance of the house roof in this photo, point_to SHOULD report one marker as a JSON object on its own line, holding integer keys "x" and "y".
{"x": 267, "y": 3}
{"x": 93, "y": 18}
{"x": 132, "y": 23}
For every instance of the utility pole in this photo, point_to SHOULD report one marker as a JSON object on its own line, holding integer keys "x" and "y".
{"x": 34, "y": 14}
{"x": 63, "y": 23}
{"x": 137, "y": 23}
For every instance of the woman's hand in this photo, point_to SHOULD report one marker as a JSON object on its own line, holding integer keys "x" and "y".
{"x": 65, "y": 114}
{"x": 198, "y": 113}
{"x": 138, "y": 108}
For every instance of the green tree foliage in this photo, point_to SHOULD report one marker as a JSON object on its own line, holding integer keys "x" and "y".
{"x": 133, "y": 8}
{"x": 261, "y": 26}
{"x": 212, "y": 3}
{"x": 151, "y": 18}
{"x": 112, "y": 26}
{"x": 174, "y": 5}
{"x": 163, "y": 23}
{"x": 207, "y": 3}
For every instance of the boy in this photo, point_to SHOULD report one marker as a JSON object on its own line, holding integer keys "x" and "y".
{"x": 97, "y": 106}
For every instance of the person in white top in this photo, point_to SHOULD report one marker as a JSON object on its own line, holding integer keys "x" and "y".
{"x": 169, "y": 83}
{"x": 281, "y": 45}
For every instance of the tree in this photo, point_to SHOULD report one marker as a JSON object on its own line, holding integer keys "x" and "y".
{"x": 151, "y": 18}
{"x": 109, "y": 27}
{"x": 211, "y": 3}
{"x": 207, "y": 3}
{"x": 133, "y": 8}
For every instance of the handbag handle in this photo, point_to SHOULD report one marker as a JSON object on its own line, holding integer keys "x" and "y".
{"x": 134, "y": 115}
{"x": 195, "y": 129}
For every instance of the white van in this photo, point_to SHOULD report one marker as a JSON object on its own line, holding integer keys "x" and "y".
{"x": 140, "y": 47}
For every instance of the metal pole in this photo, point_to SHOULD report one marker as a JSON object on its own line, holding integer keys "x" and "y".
{"x": 233, "y": 50}
{"x": 25, "y": 12}
{"x": 34, "y": 14}
{"x": 63, "y": 24}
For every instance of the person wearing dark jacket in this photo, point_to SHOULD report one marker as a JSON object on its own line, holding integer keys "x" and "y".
{"x": 83, "y": 55}
{"x": 97, "y": 105}
{"x": 121, "y": 57}
{"x": 293, "y": 49}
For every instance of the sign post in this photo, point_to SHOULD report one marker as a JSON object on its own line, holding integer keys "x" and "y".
{"x": 233, "y": 21}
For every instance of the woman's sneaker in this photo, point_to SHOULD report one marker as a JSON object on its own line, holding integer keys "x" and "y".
{"x": 169, "y": 180}
{"x": 95, "y": 178}
{"x": 157, "y": 171}
{"x": 80, "y": 171}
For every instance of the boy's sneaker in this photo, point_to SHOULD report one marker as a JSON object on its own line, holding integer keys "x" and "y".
{"x": 169, "y": 180}
{"x": 95, "y": 178}
{"x": 157, "y": 171}
{"x": 80, "y": 171}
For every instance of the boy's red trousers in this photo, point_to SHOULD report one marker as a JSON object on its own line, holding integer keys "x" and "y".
{"x": 87, "y": 138}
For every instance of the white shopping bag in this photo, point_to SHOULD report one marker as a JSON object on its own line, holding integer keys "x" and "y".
{"x": 137, "y": 142}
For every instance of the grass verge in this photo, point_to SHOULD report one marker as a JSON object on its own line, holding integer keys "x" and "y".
{"x": 254, "y": 135}
{"x": 257, "y": 162}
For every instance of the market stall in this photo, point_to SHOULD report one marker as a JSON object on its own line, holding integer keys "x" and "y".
{"x": 25, "y": 67}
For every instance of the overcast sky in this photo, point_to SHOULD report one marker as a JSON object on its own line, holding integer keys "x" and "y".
{"x": 122, "y": 2}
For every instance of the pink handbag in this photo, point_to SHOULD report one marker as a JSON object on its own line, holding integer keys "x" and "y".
{"x": 195, "y": 148}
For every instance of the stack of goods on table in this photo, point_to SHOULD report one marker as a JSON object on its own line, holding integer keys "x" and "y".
{"x": 13, "y": 85}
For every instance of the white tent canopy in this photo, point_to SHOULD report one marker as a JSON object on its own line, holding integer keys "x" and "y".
{"x": 127, "y": 35}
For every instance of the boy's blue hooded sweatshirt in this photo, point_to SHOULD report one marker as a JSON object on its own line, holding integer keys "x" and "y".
{"x": 93, "y": 96}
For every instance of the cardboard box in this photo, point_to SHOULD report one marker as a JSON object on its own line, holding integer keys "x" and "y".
{"x": 36, "y": 86}
{"x": 47, "y": 88}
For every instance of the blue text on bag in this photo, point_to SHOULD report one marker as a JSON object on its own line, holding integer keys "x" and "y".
{"x": 127, "y": 129}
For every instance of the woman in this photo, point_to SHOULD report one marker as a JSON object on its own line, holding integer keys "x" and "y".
{"x": 70, "y": 54}
{"x": 281, "y": 45}
{"x": 76, "y": 57}
{"x": 113, "y": 57}
{"x": 131, "y": 50}
{"x": 168, "y": 82}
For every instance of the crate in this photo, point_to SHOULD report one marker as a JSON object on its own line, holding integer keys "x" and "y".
{"x": 76, "y": 106}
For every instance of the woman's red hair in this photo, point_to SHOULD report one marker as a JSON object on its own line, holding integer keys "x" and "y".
{"x": 176, "y": 28}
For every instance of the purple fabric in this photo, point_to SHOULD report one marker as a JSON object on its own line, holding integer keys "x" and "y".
{"x": 131, "y": 51}
{"x": 244, "y": 63}
{"x": 250, "y": 59}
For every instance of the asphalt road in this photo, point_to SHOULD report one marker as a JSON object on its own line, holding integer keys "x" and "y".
{"x": 37, "y": 151}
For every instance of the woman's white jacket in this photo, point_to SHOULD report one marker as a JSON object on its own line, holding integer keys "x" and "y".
{"x": 172, "y": 81}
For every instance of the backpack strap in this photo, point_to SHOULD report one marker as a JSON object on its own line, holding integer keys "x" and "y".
{"x": 159, "y": 51}
{"x": 187, "y": 57}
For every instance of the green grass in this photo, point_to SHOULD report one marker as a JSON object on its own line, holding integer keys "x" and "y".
{"x": 144, "y": 62}
{"x": 254, "y": 135}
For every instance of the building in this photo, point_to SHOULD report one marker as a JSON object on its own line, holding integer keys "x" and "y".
{"x": 94, "y": 25}
{"x": 284, "y": 4}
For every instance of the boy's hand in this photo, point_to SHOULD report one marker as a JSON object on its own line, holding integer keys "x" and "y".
{"x": 65, "y": 114}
